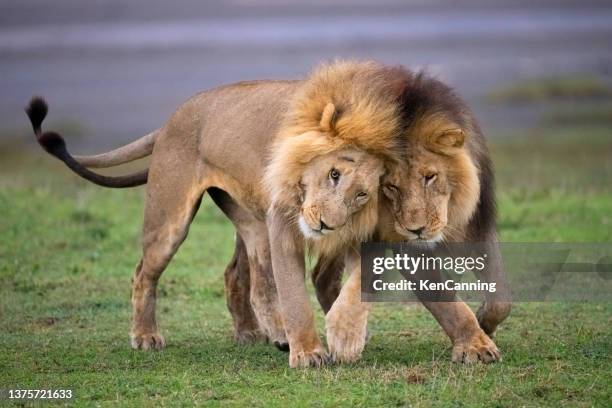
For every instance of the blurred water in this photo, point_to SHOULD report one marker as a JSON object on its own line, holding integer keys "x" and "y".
{"x": 120, "y": 78}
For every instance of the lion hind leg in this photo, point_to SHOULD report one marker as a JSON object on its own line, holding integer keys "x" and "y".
{"x": 263, "y": 293}
{"x": 237, "y": 290}
{"x": 327, "y": 280}
{"x": 250, "y": 290}
{"x": 498, "y": 304}
{"x": 172, "y": 201}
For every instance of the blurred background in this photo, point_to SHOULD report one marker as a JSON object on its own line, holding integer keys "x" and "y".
{"x": 113, "y": 70}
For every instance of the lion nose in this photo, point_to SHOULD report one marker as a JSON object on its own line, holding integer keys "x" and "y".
{"x": 324, "y": 226}
{"x": 417, "y": 231}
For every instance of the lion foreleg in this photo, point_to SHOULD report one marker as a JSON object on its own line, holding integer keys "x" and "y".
{"x": 347, "y": 320}
{"x": 289, "y": 274}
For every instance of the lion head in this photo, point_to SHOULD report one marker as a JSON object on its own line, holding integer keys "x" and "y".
{"x": 327, "y": 188}
{"x": 338, "y": 193}
{"x": 434, "y": 192}
{"x": 328, "y": 155}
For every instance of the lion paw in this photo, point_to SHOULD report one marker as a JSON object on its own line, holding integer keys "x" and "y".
{"x": 346, "y": 340}
{"x": 248, "y": 336}
{"x": 316, "y": 357}
{"x": 478, "y": 348}
{"x": 345, "y": 349}
{"x": 148, "y": 341}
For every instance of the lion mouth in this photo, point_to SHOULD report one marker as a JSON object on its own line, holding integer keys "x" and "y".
{"x": 426, "y": 237}
{"x": 310, "y": 232}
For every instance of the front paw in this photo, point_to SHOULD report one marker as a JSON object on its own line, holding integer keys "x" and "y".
{"x": 300, "y": 357}
{"x": 346, "y": 338}
{"x": 147, "y": 341}
{"x": 478, "y": 347}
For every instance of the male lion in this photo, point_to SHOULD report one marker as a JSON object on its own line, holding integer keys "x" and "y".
{"x": 219, "y": 141}
{"x": 440, "y": 190}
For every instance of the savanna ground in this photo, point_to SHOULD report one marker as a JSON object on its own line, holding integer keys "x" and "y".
{"x": 68, "y": 249}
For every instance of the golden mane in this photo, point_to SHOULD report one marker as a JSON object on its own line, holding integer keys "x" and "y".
{"x": 365, "y": 98}
{"x": 340, "y": 104}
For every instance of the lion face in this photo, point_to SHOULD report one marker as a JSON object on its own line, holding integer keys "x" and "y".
{"x": 334, "y": 188}
{"x": 434, "y": 192}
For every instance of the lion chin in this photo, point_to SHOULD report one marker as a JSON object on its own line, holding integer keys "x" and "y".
{"x": 413, "y": 238}
{"x": 309, "y": 232}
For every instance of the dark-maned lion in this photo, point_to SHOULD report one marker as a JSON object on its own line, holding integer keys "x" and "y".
{"x": 441, "y": 190}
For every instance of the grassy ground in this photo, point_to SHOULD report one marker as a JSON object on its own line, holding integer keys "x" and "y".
{"x": 576, "y": 86}
{"x": 68, "y": 249}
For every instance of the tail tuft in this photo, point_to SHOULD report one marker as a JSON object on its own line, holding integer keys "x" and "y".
{"x": 37, "y": 111}
{"x": 52, "y": 143}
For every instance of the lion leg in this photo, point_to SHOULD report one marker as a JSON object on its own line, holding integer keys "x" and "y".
{"x": 305, "y": 348}
{"x": 237, "y": 292}
{"x": 347, "y": 321}
{"x": 497, "y": 305}
{"x": 327, "y": 280}
{"x": 173, "y": 197}
{"x": 263, "y": 294}
{"x": 260, "y": 298}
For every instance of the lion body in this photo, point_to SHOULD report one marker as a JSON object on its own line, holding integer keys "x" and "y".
{"x": 219, "y": 141}
{"x": 225, "y": 133}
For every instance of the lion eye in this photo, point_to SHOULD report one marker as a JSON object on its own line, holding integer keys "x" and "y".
{"x": 390, "y": 188}
{"x": 301, "y": 191}
{"x": 362, "y": 194}
{"x": 430, "y": 178}
{"x": 334, "y": 174}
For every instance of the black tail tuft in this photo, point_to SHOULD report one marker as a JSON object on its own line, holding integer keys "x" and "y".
{"x": 37, "y": 111}
{"x": 52, "y": 143}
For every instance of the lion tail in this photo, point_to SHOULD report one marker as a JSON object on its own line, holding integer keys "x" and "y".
{"x": 54, "y": 144}
{"x": 132, "y": 151}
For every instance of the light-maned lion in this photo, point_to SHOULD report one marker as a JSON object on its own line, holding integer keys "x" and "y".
{"x": 219, "y": 141}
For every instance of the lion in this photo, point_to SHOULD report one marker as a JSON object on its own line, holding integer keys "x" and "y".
{"x": 442, "y": 190}
{"x": 333, "y": 129}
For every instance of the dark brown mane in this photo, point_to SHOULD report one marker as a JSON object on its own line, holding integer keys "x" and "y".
{"x": 423, "y": 95}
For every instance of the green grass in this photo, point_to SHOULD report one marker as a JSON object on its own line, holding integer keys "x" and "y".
{"x": 68, "y": 249}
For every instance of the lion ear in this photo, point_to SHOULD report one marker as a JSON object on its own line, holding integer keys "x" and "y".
{"x": 448, "y": 140}
{"x": 328, "y": 118}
